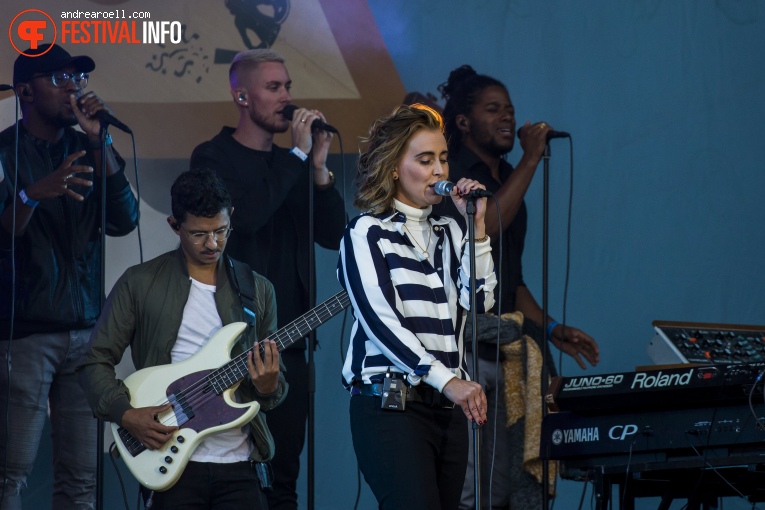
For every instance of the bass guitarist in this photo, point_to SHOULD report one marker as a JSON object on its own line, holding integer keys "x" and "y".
{"x": 165, "y": 310}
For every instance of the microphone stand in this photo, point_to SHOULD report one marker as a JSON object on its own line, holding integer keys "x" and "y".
{"x": 102, "y": 296}
{"x": 545, "y": 249}
{"x": 470, "y": 209}
{"x": 311, "y": 338}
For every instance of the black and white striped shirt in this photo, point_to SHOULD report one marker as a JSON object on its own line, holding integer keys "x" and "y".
{"x": 410, "y": 313}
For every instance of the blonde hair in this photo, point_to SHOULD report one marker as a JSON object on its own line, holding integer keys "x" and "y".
{"x": 386, "y": 143}
{"x": 248, "y": 59}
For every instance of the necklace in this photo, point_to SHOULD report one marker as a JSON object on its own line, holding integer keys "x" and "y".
{"x": 427, "y": 243}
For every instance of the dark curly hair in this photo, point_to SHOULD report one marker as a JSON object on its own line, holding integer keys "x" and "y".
{"x": 199, "y": 192}
{"x": 461, "y": 92}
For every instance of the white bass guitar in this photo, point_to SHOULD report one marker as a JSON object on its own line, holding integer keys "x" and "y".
{"x": 201, "y": 390}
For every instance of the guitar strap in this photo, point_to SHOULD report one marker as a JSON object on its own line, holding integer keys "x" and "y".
{"x": 240, "y": 276}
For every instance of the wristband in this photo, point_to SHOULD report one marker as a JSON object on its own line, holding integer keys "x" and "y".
{"x": 550, "y": 328}
{"x": 95, "y": 145}
{"x": 297, "y": 152}
{"x": 26, "y": 200}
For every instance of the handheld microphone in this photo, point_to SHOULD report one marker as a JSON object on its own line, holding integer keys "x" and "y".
{"x": 445, "y": 188}
{"x": 550, "y": 134}
{"x": 317, "y": 125}
{"x": 104, "y": 117}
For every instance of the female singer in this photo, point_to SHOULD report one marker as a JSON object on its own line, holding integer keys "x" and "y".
{"x": 408, "y": 276}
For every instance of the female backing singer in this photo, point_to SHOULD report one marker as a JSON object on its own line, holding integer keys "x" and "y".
{"x": 408, "y": 275}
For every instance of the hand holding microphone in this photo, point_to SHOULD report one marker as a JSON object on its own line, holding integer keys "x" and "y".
{"x": 92, "y": 107}
{"x": 466, "y": 188}
{"x": 527, "y": 129}
{"x": 445, "y": 188}
{"x": 303, "y": 139}
{"x": 316, "y": 125}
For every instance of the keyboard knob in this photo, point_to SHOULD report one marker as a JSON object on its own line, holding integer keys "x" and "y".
{"x": 181, "y": 439}
{"x": 169, "y": 459}
{"x": 174, "y": 449}
{"x": 163, "y": 470}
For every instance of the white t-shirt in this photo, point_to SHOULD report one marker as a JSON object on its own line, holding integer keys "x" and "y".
{"x": 200, "y": 322}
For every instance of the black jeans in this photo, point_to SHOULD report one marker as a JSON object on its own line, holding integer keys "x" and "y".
{"x": 411, "y": 459}
{"x": 211, "y": 486}
{"x": 288, "y": 425}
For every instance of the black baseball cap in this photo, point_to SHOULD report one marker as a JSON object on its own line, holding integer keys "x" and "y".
{"x": 25, "y": 66}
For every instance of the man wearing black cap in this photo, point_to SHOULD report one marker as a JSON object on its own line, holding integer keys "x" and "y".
{"x": 54, "y": 212}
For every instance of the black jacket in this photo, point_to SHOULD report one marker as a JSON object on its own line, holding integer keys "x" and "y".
{"x": 58, "y": 256}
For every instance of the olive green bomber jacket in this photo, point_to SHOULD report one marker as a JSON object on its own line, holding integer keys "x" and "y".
{"x": 144, "y": 311}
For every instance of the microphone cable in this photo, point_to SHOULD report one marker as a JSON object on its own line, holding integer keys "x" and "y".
{"x": 113, "y": 452}
{"x": 497, "y": 394}
{"x": 567, "y": 273}
{"x": 345, "y": 312}
{"x": 760, "y": 424}
{"x": 138, "y": 198}
{"x": 13, "y": 298}
{"x": 544, "y": 319}
{"x": 584, "y": 491}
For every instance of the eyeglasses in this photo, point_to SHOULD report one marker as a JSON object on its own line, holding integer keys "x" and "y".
{"x": 218, "y": 236}
{"x": 61, "y": 79}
